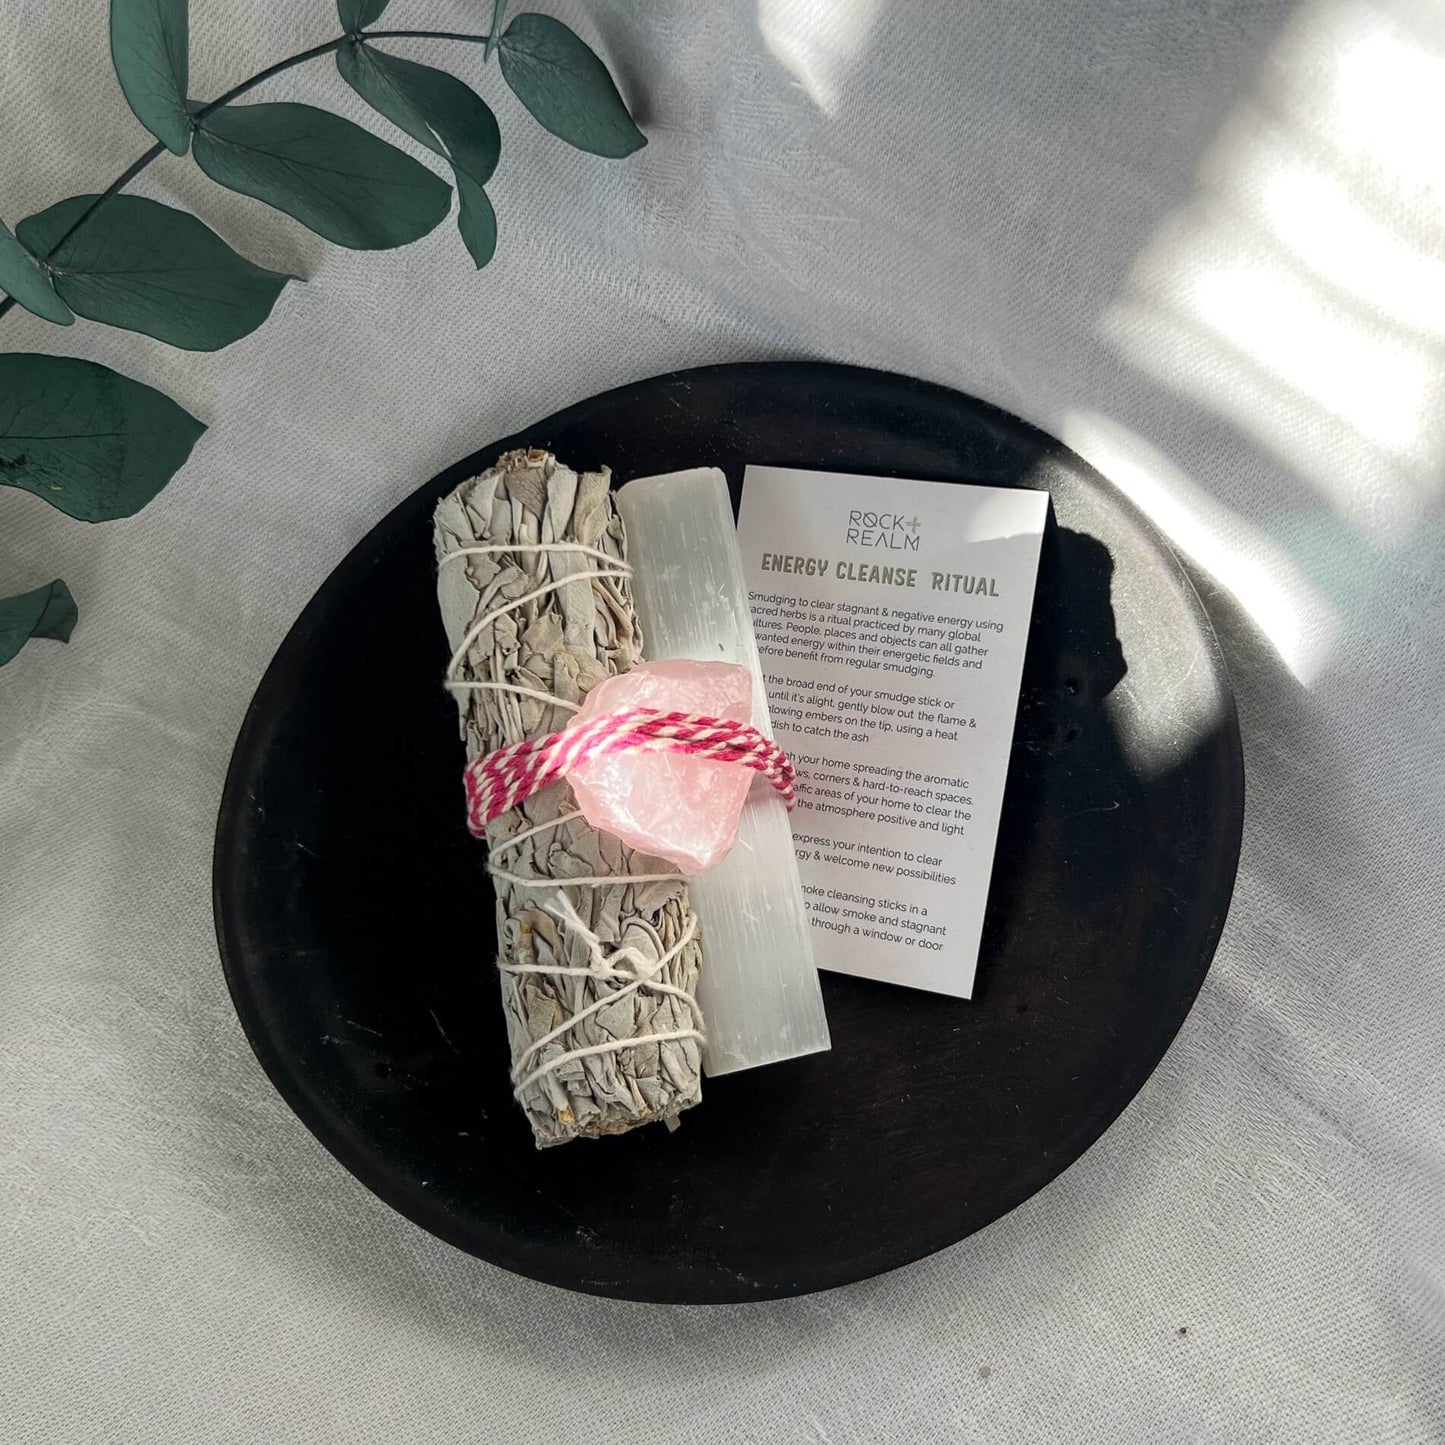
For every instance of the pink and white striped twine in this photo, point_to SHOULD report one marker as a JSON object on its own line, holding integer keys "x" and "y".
{"x": 510, "y": 775}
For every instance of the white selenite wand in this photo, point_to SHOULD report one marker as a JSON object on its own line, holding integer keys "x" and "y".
{"x": 758, "y": 988}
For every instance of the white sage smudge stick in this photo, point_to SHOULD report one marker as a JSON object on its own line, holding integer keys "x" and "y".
{"x": 596, "y": 976}
{"x": 759, "y": 990}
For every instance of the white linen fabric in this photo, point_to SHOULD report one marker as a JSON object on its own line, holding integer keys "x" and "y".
{"x": 1200, "y": 242}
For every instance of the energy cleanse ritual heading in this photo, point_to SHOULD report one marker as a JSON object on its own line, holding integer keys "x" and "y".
{"x": 879, "y": 573}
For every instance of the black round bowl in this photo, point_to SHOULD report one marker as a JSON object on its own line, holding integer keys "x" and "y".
{"x": 356, "y": 926}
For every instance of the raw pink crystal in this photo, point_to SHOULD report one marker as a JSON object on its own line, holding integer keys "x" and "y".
{"x": 667, "y": 804}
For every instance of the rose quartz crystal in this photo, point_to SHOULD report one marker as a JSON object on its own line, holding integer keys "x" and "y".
{"x": 663, "y": 803}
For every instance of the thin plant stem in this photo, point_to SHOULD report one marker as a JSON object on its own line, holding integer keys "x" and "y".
{"x": 425, "y": 35}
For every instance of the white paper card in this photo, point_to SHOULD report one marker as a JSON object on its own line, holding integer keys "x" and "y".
{"x": 892, "y": 618}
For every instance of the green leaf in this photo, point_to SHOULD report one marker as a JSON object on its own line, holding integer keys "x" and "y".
{"x": 149, "y": 44}
{"x": 356, "y": 13}
{"x": 22, "y": 277}
{"x": 334, "y": 177}
{"x": 48, "y": 611}
{"x": 151, "y": 268}
{"x": 447, "y": 117}
{"x": 566, "y": 87}
{"x": 90, "y": 441}
{"x": 476, "y": 220}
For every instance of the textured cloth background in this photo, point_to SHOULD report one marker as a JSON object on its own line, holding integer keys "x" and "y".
{"x": 1200, "y": 241}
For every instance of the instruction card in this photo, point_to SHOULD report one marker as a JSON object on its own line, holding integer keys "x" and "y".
{"x": 892, "y": 618}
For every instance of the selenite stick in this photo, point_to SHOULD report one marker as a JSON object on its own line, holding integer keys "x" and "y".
{"x": 758, "y": 987}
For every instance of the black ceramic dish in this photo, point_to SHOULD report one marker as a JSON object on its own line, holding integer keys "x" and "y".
{"x": 356, "y": 923}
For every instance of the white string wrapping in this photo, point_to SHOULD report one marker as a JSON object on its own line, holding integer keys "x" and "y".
{"x": 644, "y": 973}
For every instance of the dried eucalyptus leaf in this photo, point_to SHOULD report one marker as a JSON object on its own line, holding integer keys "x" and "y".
{"x": 356, "y": 13}
{"x": 343, "y": 182}
{"x": 85, "y": 438}
{"x": 556, "y": 75}
{"x": 48, "y": 611}
{"x": 147, "y": 267}
{"x": 149, "y": 48}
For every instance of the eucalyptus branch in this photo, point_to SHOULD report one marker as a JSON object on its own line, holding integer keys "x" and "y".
{"x": 156, "y": 151}
{"x": 156, "y": 269}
